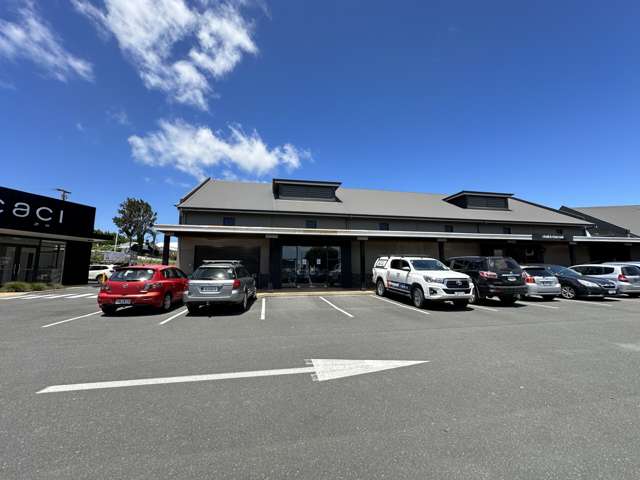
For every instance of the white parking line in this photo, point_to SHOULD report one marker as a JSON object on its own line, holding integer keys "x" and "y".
{"x": 262, "y": 310}
{"x": 485, "y": 308}
{"x": 82, "y": 295}
{"x": 597, "y": 303}
{"x": 30, "y": 297}
{"x": 61, "y": 296}
{"x": 173, "y": 316}
{"x": 337, "y": 308}
{"x": 538, "y": 305}
{"x": 71, "y": 319}
{"x": 400, "y": 305}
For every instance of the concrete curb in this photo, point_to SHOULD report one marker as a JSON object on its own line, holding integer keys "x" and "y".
{"x": 316, "y": 293}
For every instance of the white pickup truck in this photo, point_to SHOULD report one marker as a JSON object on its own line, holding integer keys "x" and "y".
{"x": 423, "y": 279}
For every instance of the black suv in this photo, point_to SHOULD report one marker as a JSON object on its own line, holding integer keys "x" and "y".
{"x": 492, "y": 277}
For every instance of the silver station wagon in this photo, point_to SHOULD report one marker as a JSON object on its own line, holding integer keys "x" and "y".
{"x": 217, "y": 282}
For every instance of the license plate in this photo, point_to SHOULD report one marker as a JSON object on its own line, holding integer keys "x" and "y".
{"x": 123, "y": 301}
{"x": 460, "y": 293}
{"x": 612, "y": 292}
{"x": 209, "y": 289}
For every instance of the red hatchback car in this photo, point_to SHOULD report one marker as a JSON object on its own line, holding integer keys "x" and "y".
{"x": 157, "y": 286}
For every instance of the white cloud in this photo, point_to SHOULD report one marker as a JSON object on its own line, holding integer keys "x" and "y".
{"x": 31, "y": 38}
{"x": 175, "y": 183}
{"x": 148, "y": 31}
{"x": 195, "y": 149}
{"x": 119, "y": 116}
{"x": 79, "y": 127}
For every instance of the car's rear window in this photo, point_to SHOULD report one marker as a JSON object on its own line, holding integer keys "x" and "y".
{"x": 631, "y": 271}
{"x": 132, "y": 274}
{"x": 503, "y": 263}
{"x": 97, "y": 267}
{"x": 538, "y": 272}
{"x": 214, "y": 273}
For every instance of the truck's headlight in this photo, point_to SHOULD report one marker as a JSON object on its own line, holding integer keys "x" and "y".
{"x": 429, "y": 279}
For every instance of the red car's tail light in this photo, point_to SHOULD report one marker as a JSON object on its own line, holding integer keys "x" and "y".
{"x": 622, "y": 278}
{"x": 150, "y": 286}
{"x": 529, "y": 279}
{"x": 488, "y": 274}
{"x": 236, "y": 284}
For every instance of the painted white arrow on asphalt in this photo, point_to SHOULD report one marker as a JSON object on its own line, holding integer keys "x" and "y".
{"x": 320, "y": 369}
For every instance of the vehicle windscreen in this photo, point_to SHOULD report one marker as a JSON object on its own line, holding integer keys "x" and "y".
{"x": 428, "y": 265}
{"x": 631, "y": 271}
{"x": 132, "y": 275}
{"x": 538, "y": 272}
{"x": 214, "y": 273}
{"x": 567, "y": 272}
{"x": 498, "y": 264}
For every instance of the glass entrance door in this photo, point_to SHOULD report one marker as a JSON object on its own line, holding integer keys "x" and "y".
{"x": 7, "y": 262}
{"x": 310, "y": 266}
{"x": 25, "y": 264}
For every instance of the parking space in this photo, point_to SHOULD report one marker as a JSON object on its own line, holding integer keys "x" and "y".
{"x": 203, "y": 393}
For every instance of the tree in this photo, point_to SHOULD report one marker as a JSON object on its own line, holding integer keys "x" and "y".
{"x": 135, "y": 219}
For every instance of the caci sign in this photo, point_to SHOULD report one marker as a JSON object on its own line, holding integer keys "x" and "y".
{"x": 36, "y": 213}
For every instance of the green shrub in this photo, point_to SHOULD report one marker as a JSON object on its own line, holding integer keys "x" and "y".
{"x": 28, "y": 287}
{"x": 16, "y": 287}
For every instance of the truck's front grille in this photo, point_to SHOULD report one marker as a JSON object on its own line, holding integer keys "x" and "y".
{"x": 457, "y": 284}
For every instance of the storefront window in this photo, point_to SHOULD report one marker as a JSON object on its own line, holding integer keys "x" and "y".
{"x": 310, "y": 266}
{"x": 51, "y": 262}
{"x": 30, "y": 260}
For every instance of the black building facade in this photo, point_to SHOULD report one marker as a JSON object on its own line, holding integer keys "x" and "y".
{"x": 43, "y": 239}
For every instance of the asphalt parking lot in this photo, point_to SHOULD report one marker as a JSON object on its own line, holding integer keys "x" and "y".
{"x": 539, "y": 390}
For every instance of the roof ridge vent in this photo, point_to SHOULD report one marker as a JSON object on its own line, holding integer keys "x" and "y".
{"x": 480, "y": 200}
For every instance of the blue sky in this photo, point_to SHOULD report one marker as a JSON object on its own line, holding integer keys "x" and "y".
{"x": 118, "y": 98}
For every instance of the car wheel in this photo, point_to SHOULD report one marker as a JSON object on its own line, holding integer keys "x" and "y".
{"x": 166, "y": 303}
{"x": 475, "y": 297}
{"x": 508, "y": 299}
{"x": 460, "y": 303}
{"x": 245, "y": 302}
{"x": 568, "y": 292}
{"x": 108, "y": 309}
{"x": 380, "y": 290}
{"x": 417, "y": 295}
{"x": 191, "y": 308}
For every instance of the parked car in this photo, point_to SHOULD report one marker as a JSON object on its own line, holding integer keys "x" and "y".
{"x": 100, "y": 272}
{"x": 492, "y": 277}
{"x": 421, "y": 278}
{"x": 626, "y": 277}
{"x": 540, "y": 282}
{"x": 573, "y": 284}
{"x": 220, "y": 281}
{"x": 158, "y": 286}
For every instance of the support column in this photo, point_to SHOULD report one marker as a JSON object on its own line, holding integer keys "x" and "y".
{"x": 572, "y": 254}
{"x": 363, "y": 281}
{"x": 441, "y": 254}
{"x": 166, "y": 248}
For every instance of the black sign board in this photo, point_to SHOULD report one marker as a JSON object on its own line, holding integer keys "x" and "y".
{"x": 552, "y": 237}
{"x": 36, "y": 213}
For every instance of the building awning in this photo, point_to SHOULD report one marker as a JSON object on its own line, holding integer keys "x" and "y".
{"x": 47, "y": 236}
{"x": 185, "y": 230}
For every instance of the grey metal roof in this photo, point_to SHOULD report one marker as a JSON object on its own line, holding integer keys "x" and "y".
{"x": 243, "y": 196}
{"x": 624, "y": 216}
